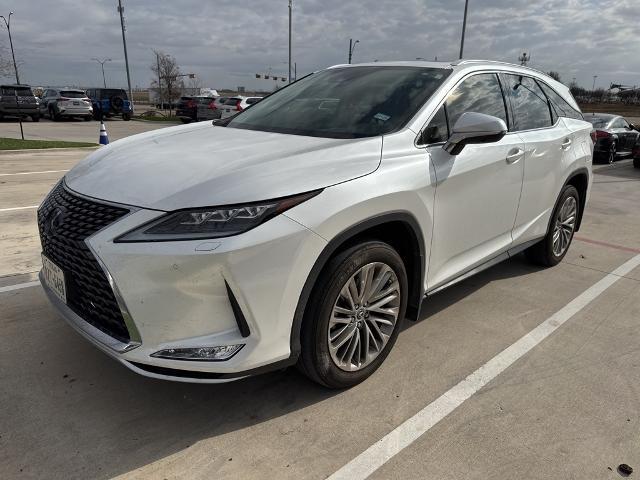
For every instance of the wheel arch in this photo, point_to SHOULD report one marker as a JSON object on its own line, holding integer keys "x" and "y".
{"x": 409, "y": 243}
{"x": 580, "y": 180}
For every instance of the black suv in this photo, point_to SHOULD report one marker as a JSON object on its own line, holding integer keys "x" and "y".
{"x": 110, "y": 102}
{"x": 18, "y": 101}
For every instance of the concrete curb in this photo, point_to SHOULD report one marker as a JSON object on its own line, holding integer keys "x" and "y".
{"x": 34, "y": 150}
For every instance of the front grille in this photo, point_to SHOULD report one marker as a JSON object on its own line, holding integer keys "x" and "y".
{"x": 65, "y": 221}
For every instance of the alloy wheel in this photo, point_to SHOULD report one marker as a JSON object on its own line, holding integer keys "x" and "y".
{"x": 364, "y": 316}
{"x": 564, "y": 226}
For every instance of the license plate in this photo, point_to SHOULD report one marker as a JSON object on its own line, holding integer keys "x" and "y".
{"x": 54, "y": 278}
{"x": 76, "y": 103}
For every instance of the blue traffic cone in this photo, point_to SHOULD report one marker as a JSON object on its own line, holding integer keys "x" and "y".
{"x": 104, "y": 138}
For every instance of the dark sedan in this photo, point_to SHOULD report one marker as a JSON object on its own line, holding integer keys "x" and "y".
{"x": 613, "y": 136}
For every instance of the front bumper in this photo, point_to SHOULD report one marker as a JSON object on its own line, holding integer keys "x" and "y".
{"x": 177, "y": 296}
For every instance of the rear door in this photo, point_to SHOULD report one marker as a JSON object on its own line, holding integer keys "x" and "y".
{"x": 546, "y": 141}
{"x": 477, "y": 191}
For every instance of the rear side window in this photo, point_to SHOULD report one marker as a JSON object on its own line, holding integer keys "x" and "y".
{"x": 480, "y": 94}
{"x": 251, "y": 101}
{"x": 531, "y": 109}
{"x": 232, "y": 101}
{"x": 559, "y": 105}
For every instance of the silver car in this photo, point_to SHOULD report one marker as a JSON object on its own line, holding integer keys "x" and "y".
{"x": 59, "y": 103}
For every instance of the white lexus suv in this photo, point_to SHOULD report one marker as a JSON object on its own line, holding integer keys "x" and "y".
{"x": 306, "y": 228}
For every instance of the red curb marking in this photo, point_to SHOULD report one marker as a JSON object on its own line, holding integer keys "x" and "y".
{"x": 605, "y": 244}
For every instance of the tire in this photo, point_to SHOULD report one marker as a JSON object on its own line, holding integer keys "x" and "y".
{"x": 543, "y": 253}
{"x": 87, "y": 118}
{"x": 126, "y": 117}
{"x": 185, "y": 120}
{"x": 53, "y": 116}
{"x": 316, "y": 359}
{"x": 636, "y": 162}
{"x": 35, "y": 118}
{"x": 611, "y": 157}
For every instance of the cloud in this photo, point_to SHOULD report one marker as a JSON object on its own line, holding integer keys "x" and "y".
{"x": 227, "y": 41}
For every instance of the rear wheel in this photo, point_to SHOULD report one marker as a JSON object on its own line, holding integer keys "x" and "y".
{"x": 354, "y": 315}
{"x": 553, "y": 247}
{"x": 612, "y": 153}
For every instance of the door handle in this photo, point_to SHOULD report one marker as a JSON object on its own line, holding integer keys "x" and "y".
{"x": 514, "y": 155}
{"x": 566, "y": 144}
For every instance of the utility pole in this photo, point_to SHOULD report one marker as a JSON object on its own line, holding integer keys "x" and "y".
{"x": 102, "y": 62}
{"x": 290, "y": 8}
{"x": 159, "y": 80}
{"x": 594, "y": 83}
{"x": 7, "y": 22}
{"x": 352, "y": 47}
{"x": 464, "y": 27}
{"x": 124, "y": 43}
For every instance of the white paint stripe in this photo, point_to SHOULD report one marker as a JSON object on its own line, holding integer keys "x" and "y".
{"x": 19, "y": 286}
{"x": 406, "y": 433}
{"x": 17, "y": 208}
{"x": 32, "y": 173}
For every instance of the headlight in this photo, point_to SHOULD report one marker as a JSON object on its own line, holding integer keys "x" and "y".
{"x": 211, "y": 222}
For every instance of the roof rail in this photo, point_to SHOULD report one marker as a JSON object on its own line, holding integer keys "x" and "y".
{"x": 495, "y": 62}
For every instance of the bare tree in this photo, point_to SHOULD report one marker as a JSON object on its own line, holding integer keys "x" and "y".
{"x": 554, "y": 75}
{"x": 167, "y": 77}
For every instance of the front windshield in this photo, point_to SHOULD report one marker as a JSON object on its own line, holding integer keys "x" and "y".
{"x": 348, "y": 102}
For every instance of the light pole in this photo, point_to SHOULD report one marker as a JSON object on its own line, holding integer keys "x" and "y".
{"x": 124, "y": 43}
{"x": 464, "y": 27}
{"x": 352, "y": 47}
{"x": 7, "y": 22}
{"x": 290, "y": 12}
{"x": 594, "y": 83}
{"x": 102, "y": 62}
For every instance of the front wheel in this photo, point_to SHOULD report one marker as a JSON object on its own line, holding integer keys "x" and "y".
{"x": 553, "y": 247}
{"x": 126, "y": 117}
{"x": 354, "y": 315}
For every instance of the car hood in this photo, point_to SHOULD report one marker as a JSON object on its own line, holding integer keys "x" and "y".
{"x": 202, "y": 165}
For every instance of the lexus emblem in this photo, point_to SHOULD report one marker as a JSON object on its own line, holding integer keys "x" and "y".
{"x": 55, "y": 220}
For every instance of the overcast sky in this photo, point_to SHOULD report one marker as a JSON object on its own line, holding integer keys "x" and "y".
{"x": 225, "y": 42}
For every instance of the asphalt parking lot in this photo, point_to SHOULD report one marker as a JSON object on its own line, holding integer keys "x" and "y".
{"x": 566, "y": 408}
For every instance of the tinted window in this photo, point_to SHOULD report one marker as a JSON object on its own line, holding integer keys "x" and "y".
{"x": 21, "y": 91}
{"x": 530, "y": 105}
{"x": 112, "y": 92}
{"x": 232, "y": 101}
{"x": 437, "y": 130}
{"x": 72, "y": 93}
{"x": 559, "y": 105}
{"x": 251, "y": 101}
{"x": 347, "y": 102}
{"x": 480, "y": 94}
{"x": 619, "y": 123}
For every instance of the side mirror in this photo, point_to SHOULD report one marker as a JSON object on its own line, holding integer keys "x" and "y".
{"x": 632, "y": 127}
{"x": 474, "y": 127}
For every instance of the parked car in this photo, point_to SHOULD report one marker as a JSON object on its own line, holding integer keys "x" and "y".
{"x": 613, "y": 135}
{"x": 307, "y": 229}
{"x": 636, "y": 154}
{"x": 18, "y": 101}
{"x": 110, "y": 102}
{"x": 196, "y": 109}
{"x": 234, "y": 105}
{"x": 59, "y": 103}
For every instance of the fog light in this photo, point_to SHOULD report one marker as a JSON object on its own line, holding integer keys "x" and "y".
{"x": 204, "y": 354}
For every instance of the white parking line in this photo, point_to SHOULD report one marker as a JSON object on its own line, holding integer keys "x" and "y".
{"x": 32, "y": 173}
{"x": 19, "y": 286}
{"x": 17, "y": 208}
{"x": 406, "y": 433}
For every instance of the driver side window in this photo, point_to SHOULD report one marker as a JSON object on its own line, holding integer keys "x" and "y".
{"x": 479, "y": 93}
